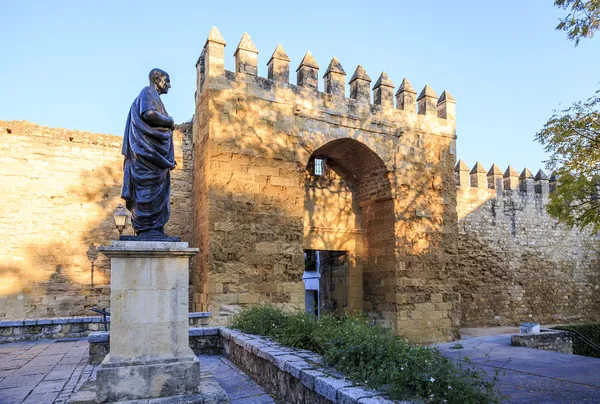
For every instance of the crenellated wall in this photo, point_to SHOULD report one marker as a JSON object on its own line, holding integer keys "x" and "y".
{"x": 429, "y": 246}
{"x": 257, "y": 137}
{"x": 516, "y": 263}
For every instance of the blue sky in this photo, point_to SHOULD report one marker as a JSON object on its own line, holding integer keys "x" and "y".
{"x": 79, "y": 64}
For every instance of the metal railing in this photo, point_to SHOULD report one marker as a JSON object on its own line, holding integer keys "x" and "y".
{"x": 105, "y": 313}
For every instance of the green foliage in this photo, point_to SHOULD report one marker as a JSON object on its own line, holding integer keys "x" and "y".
{"x": 371, "y": 355}
{"x": 582, "y": 20}
{"x": 591, "y": 332}
{"x": 572, "y": 137}
{"x": 267, "y": 321}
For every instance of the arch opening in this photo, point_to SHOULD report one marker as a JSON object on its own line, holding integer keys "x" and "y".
{"x": 349, "y": 220}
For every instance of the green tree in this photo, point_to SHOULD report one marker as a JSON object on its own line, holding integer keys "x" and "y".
{"x": 582, "y": 20}
{"x": 572, "y": 138}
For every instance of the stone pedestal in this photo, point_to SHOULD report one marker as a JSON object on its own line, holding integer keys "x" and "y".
{"x": 149, "y": 356}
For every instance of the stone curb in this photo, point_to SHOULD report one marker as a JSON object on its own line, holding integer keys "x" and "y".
{"x": 75, "y": 320}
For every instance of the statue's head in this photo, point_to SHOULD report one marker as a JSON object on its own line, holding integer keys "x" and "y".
{"x": 160, "y": 80}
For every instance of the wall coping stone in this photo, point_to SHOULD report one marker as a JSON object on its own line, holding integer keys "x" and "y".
{"x": 200, "y": 314}
{"x": 98, "y": 336}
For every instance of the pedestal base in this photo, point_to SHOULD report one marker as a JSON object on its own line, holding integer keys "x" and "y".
{"x": 122, "y": 382}
{"x": 210, "y": 392}
{"x": 150, "y": 356}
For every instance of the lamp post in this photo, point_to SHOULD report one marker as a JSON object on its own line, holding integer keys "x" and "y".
{"x": 120, "y": 218}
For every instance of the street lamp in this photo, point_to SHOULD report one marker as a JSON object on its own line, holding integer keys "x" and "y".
{"x": 120, "y": 218}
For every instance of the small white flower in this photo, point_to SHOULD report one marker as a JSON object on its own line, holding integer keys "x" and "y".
{"x": 431, "y": 379}
{"x": 401, "y": 367}
{"x": 449, "y": 387}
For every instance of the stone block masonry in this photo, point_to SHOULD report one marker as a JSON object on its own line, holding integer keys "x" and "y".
{"x": 59, "y": 188}
{"x": 388, "y": 199}
{"x": 516, "y": 263}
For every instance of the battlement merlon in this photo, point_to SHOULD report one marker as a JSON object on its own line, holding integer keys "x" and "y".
{"x": 246, "y": 56}
{"x": 434, "y": 116}
{"x": 279, "y": 65}
{"x": 498, "y": 182}
{"x": 214, "y": 54}
{"x": 335, "y": 78}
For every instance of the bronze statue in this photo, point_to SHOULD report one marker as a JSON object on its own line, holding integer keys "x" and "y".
{"x": 149, "y": 158}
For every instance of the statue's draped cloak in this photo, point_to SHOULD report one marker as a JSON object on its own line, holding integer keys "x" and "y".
{"x": 149, "y": 157}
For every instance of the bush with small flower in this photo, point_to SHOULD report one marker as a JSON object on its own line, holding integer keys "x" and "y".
{"x": 371, "y": 355}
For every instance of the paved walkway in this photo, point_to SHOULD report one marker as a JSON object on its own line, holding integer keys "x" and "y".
{"x": 48, "y": 371}
{"x": 532, "y": 375}
{"x": 238, "y": 386}
{"x": 42, "y": 372}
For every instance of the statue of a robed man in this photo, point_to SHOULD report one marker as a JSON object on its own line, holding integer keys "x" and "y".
{"x": 149, "y": 158}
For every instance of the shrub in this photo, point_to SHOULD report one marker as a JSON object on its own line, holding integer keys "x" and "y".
{"x": 591, "y": 332}
{"x": 371, "y": 355}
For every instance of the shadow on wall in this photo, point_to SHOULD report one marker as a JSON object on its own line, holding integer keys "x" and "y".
{"x": 60, "y": 198}
{"x": 517, "y": 264}
{"x": 56, "y": 269}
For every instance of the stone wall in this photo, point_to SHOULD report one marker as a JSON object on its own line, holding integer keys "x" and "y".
{"x": 517, "y": 264}
{"x": 294, "y": 375}
{"x": 254, "y": 139}
{"x": 66, "y": 327}
{"x": 59, "y": 188}
{"x": 49, "y": 328}
{"x": 559, "y": 341}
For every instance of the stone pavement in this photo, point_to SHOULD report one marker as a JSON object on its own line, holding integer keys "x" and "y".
{"x": 532, "y": 375}
{"x": 48, "y": 371}
{"x": 42, "y": 372}
{"x": 239, "y": 387}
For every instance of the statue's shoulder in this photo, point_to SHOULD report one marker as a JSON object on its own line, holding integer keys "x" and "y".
{"x": 147, "y": 91}
{"x": 148, "y": 95}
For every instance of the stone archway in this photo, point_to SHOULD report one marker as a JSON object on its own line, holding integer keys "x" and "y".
{"x": 349, "y": 208}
